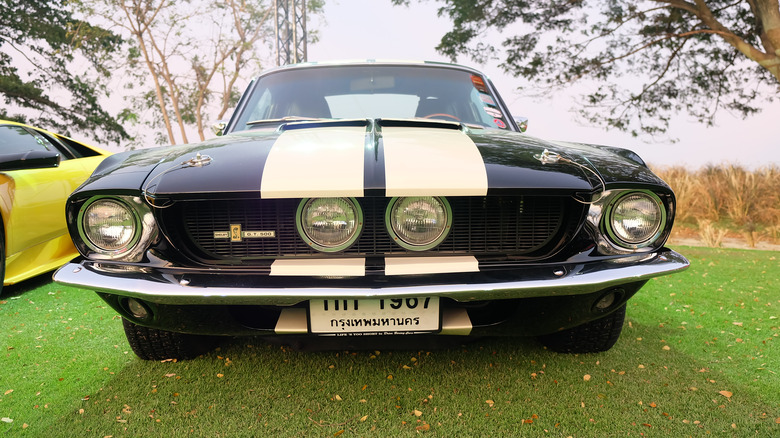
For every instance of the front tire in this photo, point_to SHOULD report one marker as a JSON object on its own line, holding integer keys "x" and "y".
{"x": 591, "y": 337}
{"x": 154, "y": 344}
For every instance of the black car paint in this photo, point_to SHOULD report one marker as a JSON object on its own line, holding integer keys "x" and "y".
{"x": 512, "y": 164}
{"x": 238, "y": 161}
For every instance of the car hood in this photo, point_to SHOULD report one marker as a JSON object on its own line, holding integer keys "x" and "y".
{"x": 369, "y": 158}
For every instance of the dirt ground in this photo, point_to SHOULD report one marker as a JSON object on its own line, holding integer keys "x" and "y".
{"x": 689, "y": 237}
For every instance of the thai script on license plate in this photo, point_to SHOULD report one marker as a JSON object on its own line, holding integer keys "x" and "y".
{"x": 374, "y": 316}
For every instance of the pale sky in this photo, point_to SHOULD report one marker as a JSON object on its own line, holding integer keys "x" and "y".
{"x": 375, "y": 29}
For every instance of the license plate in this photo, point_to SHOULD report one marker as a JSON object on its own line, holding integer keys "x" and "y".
{"x": 375, "y": 316}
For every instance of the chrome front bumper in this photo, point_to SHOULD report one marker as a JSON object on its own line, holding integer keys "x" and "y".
{"x": 183, "y": 288}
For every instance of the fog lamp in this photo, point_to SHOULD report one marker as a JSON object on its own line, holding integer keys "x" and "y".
{"x": 137, "y": 309}
{"x": 419, "y": 223}
{"x": 329, "y": 224}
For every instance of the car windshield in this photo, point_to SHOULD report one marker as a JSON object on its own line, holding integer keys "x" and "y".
{"x": 371, "y": 91}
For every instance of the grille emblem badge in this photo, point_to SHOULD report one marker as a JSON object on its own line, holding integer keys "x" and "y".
{"x": 237, "y": 235}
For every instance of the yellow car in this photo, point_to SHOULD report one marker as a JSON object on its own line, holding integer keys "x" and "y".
{"x": 38, "y": 170}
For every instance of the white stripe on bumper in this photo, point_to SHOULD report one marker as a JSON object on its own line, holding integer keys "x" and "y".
{"x": 432, "y": 162}
{"x": 356, "y": 267}
{"x": 320, "y": 162}
{"x": 430, "y": 265}
{"x": 320, "y": 267}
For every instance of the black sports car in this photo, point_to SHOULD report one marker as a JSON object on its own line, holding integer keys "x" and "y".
{"x": 372, "y": 198}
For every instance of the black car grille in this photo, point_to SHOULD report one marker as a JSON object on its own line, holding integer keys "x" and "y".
{"x": 502, "y": 225}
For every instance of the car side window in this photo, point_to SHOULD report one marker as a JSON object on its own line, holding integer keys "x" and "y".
{"x": 16, "y": 139}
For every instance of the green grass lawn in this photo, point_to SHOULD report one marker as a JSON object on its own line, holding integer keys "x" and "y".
{"x": 698, "y": 356}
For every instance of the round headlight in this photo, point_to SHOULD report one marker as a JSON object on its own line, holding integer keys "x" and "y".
{"x": 636, "y": 219}
{"x": 109, "y": 225}
{"x": 419, "y": 223}
{"x": 329, "y": 224}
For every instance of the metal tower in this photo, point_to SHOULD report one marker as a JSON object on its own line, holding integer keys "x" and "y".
{"x": 290, "y": 31}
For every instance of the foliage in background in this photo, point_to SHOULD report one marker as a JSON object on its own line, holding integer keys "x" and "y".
{"x": 643, "y": 62}
{"x": 698, "y": 357}
{"x": 52, "y": 69}
{"x": 187, "y": 59}
{"x": 716, "y": 198}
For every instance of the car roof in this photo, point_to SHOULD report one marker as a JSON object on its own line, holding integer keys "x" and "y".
{"x": 55, "y": 135}
{"x": 370, "y": 62}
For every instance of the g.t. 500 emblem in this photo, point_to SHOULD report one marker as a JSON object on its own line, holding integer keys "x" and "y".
{"x": 236, "y": 235}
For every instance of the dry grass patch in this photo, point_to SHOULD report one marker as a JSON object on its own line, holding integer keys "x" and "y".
{"x": 727, "y": 199}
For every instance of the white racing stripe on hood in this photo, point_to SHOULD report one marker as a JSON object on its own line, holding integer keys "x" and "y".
{"x": 432, "y": 162}
{"x": 319, "y": 162}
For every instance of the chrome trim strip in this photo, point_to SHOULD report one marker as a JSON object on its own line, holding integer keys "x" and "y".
{"x": 581, "y": 278}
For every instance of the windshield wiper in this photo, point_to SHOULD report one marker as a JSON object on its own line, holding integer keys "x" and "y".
{"x": 283, "y": 120}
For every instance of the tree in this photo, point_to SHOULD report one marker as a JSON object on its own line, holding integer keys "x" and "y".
{"x": 193, "y": 53}
{"x": 644, "y": 62}
{"x": 42, "y": 49}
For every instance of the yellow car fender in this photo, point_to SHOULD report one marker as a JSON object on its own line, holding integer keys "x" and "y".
{"x": 32, "y": 206}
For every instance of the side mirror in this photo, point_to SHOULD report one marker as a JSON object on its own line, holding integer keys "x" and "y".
{"x": 522, "y": 123}
{"x": 29, "y": 160}
{"x": 219, "y": 127}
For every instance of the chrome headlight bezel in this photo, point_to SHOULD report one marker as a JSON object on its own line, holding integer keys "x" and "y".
{"x": 396, "y": 235}
{"x": 144, "y": 229}
{"x": 600, "y": 215}
{"x": 652, "y": 236}
{"x": 312, "y": 241}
